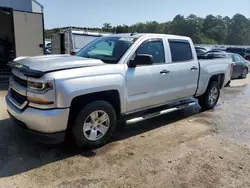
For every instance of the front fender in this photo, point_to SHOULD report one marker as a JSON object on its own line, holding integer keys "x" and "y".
{"x": 68, "y": 89}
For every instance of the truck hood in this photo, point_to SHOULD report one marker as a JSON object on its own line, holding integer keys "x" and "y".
{"x": 39, "y": 65}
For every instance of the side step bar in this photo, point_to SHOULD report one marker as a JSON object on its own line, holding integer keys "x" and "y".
{"x": 155, "y": 114}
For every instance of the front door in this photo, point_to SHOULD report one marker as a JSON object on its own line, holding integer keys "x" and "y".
{"x": 147, "y": 86}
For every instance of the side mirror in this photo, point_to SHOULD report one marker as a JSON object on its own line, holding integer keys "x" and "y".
{"x": 143, "y": 59}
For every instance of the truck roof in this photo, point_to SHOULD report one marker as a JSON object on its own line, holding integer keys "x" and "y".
{"x": 137, "y": 35}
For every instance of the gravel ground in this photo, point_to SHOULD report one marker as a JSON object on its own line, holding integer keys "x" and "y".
{"x": 188, "y": 148}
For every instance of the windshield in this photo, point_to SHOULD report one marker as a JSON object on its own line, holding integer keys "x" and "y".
{"x": 107, "y": 49}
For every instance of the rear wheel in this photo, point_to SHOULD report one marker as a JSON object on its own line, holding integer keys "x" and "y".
{"x": 244, "y": 73}
{"x": 94, "y": 125}
{"x": 210, "y": 98}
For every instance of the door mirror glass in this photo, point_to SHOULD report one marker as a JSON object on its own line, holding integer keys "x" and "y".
{"x": 143, "y": 59}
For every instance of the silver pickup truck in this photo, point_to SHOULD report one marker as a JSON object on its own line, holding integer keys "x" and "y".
{"x": 121, "y": 77}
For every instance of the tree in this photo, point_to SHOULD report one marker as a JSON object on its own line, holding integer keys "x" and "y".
{"x": 239, "y": 30}
{"x": 178, "y": 25}
{"x": 208, "y": 30}
{"x": 215, "y": 28}
{"x": 106, "y": 27}
{"x": 194, "y": 27}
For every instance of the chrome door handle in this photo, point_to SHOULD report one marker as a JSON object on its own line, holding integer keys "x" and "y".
{"x": 164, "y": 71}
{"x": 194, "y": 68}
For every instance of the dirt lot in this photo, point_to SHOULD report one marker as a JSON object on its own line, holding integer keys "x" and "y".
{"x": 188, "y": 148}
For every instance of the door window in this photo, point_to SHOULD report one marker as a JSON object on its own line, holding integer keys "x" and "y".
{"x": 154, "y": 48}
{"x": 180, "y": 50}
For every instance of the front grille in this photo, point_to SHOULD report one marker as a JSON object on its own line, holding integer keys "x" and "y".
{"x": 20, "y": 81}
{"x": 19, "y": 98}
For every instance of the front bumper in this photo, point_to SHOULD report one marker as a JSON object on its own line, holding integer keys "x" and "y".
{"x": 46, "y": 122}
{"x": 46, "y": 138}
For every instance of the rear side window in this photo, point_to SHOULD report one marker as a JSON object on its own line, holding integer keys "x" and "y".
{"x": 180, "y": 50}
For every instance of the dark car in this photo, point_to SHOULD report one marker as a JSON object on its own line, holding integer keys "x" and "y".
{"x": 212, "y": 55}
{"x": 215, "y": 50}
{"x": 240, "y": 65}
{"x": 200, "y": 50}
{"x": 244, "y": 52}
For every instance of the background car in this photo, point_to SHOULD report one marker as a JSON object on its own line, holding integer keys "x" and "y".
{"x": 214, "y": 54}
{"x": 215, "y": 50}
{"x": 240, "y": 66}
{"x": 48, "y": 48}
{"x": 241, "y": 51}
{"x": 201, "y": 50}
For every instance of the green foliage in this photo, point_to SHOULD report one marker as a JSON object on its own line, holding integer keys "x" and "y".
{"x": 107, "y": 27}
{"x": 208, "y": 30}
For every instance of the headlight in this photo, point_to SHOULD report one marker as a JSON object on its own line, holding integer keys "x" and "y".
{"x": 41, "y": 92}
{"x": 36, "y": 86}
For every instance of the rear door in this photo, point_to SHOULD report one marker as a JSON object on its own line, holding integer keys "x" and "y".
{"x": 183, "y": 69}
{"x": 29, "y": 33}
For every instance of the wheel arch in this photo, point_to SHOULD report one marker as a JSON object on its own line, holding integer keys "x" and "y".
{"x": 78, "y": 102}
{"x": 220, "y": 78}
{"x": 206, "y": 80}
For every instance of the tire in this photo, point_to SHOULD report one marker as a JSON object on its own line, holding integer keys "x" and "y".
{"x": 206, "y": 101}
{"x": 89, "y": 118}
{"x": 244, "y": 73}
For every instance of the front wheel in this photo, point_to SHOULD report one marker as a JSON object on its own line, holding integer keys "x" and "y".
{"x": 94, "y": 125}
{"x": 210, "y": 98}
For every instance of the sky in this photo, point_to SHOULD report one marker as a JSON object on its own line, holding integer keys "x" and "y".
{"x": 93, "y": 13}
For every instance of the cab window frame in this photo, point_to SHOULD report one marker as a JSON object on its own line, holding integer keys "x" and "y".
{"x": 182, "y": 41}
{"x": 154, "y": 40}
